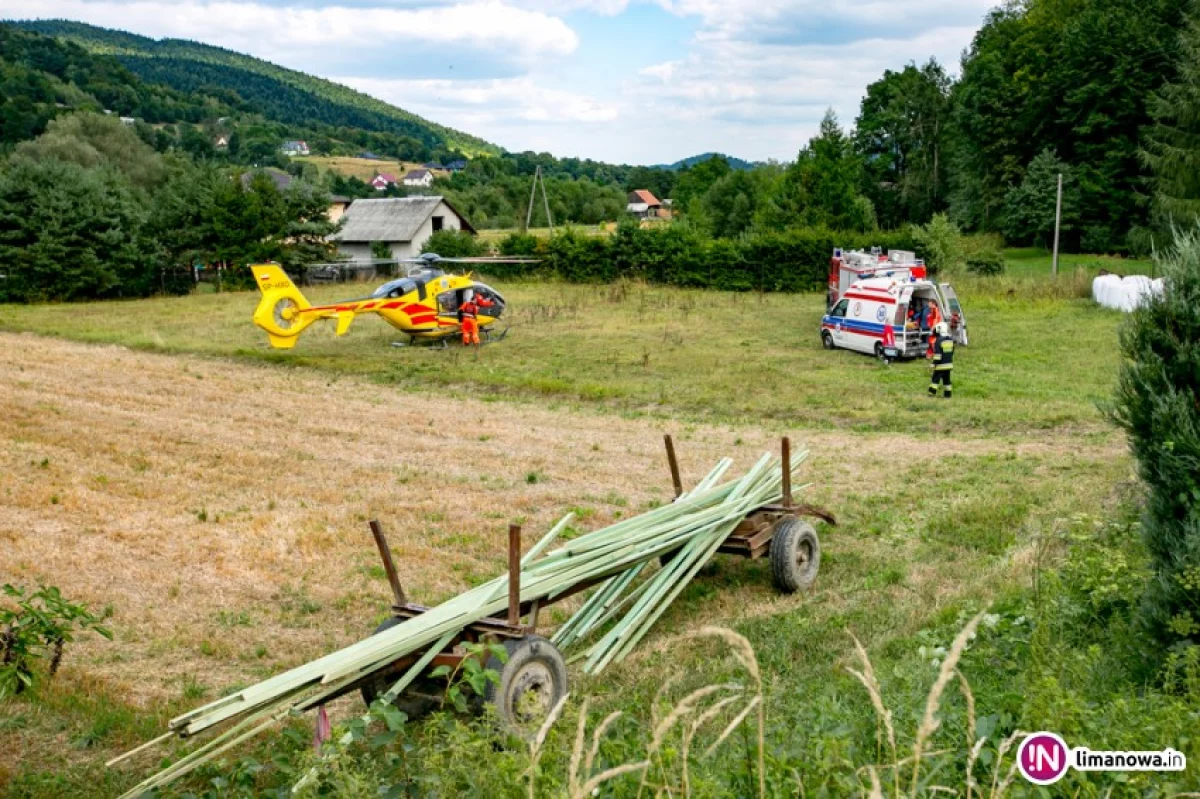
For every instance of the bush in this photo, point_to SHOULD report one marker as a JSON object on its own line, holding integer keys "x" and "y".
{"x": 454, "y": 244}
{"x": 1139, "y": 242}
{"x": 38, "y": 627}
{"x": 940, "y": 243}
{"x": 1097, "y": 239}
{"x": 1158, "y": 405}
{"x": 518, "y": 243}
{"x": 987, "y": 263}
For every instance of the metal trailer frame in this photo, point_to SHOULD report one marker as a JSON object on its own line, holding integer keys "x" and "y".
{"x": 750, "y": 539}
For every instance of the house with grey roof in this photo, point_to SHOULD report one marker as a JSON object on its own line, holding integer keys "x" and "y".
{"x": 404, "y": 224}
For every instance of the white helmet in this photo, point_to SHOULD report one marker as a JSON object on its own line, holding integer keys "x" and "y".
{"x": 942, "y": 329}
{"x": 469, "y": 294}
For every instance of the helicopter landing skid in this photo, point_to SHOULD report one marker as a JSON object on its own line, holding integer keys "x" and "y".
{"x": 437, "y": 343}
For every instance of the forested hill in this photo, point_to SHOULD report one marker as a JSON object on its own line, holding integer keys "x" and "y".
{"x": 280, "y": 94}
{"x": 41, "y": 77}
{"x": 734, "y": 163}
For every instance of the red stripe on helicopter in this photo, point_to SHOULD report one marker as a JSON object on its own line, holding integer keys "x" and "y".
{"x": 422, "y": 319}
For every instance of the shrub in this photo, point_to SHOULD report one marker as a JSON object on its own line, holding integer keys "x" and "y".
{"x": 1139, "y": 242}
{"x": 519, "y": 244}
{"x": 940, "y": 243}
{"x": 454, "y": 244}
{"x": 1097, "y": 239}
{"x": 1158, "y": 405}
{"x": 987, "y": 262}
{"x": 381, "y": 251}
{"x": 39, "y": 626}
{"x": 682, "y": 255}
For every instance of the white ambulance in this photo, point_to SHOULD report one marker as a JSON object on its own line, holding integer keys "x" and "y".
{"x": 871, "y": 292}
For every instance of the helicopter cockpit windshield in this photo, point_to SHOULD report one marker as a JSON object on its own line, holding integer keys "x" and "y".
{"x": 394, "y": 288}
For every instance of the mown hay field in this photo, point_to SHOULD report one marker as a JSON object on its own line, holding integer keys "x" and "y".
{"x": 214, "y": 494}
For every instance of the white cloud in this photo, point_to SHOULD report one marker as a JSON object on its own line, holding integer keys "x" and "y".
{"x": 261, "y": 29}
{"x": 479, "y": 105}
{"x": 759, "y": 76}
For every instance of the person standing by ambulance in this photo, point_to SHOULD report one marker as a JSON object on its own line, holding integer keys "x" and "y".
{"x": 943, "y": 360}
{"x": 468, "y": 315}
{"x": 935, "y": 319}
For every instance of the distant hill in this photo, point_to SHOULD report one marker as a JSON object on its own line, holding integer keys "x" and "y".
{"x": 42, "y": 77}
{"x": 282, "y": 95}
{"x": 735, "y": 163}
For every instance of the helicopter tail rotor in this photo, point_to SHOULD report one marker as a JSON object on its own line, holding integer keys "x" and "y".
{"x": 280, "y": 311}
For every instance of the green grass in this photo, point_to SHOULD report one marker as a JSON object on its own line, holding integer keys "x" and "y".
{"x": 1036, "y": 262}
{"x": 912, "y": 557}
{"x": 1035, "y": 362}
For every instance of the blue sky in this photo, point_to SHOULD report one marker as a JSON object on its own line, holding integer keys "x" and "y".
{"x": 616, "y": 80}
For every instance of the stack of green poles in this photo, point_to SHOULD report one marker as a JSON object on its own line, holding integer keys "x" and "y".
{"x": 692, "y": 527}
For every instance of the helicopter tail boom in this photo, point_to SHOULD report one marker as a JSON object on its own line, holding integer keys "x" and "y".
{"x": 278, "y": 312}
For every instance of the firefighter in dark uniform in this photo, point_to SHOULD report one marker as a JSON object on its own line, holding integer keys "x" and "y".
{"x": 943, "y": 359}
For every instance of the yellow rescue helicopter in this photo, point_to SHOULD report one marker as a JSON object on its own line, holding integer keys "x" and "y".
{"x": 424, "y": 304}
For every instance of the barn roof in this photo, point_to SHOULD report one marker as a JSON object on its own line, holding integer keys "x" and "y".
{"x": 644, "y": 196}
{"x": 394, "y": 219}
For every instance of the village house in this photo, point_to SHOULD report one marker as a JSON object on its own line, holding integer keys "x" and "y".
{"x": 337, "y": 207}
{"x": 456, "y": 166}
{"x": 644, "y": 205}
{"x": 383, "y": 180}
{"x": 294, "y": 147}
{"x": 221, "y": 143}
{"x": 404, "y": 224}
{"x": 419, "y": 177}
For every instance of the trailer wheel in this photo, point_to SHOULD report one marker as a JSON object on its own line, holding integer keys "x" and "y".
{"x": 826, "y": 340}
{"x": 795, "y": 555}
{"x": 532, "y": 681}
{"x": 418, "y": 700}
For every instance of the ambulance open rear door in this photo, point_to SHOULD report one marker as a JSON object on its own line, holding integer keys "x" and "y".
{"x": 957, "y": 331}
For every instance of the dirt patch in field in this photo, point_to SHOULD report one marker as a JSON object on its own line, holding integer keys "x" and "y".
{"x": 220, "y": 509}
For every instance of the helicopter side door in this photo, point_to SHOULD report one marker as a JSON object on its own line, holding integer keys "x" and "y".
{"x": 448, "y": 302}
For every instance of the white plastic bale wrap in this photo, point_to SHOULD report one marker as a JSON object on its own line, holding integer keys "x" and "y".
{"x": 1124, "y": 294}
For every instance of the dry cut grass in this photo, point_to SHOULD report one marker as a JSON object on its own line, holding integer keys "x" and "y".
{"x": 221, "y": 508}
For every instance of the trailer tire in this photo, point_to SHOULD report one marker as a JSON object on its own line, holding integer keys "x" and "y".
{"x": 827, "y": 340}
{"x": 418, "y": 700}
{"x": 795, "y": 555}
{"x": 532, "y": 681}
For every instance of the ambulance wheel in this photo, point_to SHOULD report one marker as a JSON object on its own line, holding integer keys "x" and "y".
{"x": 795, "y": 555}
{"x": 532, "y": 681}
{"x": 827, "y": 340}
{"x": 418, "y": 700}
{"x": 879, "y": 351}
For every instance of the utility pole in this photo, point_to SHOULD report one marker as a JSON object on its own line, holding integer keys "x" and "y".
{"x": 537, "y": 176}
{"x": 1057, "y": 225}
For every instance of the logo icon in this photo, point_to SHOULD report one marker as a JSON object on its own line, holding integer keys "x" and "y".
{"x": 881, "y": 313}
{"x": 858, "y": 309}
{"x": 1043, "y": 758}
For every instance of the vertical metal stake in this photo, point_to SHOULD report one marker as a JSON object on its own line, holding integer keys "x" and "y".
{"x": 388, "y": 565}
{"x": 514, "y": 574}
{"x": 1057, "y": 225}
{"x": 674, "y": 464}
{"x": 787, "y": 472}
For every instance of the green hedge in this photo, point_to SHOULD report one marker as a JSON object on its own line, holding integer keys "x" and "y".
{"x": 678, "y": 255}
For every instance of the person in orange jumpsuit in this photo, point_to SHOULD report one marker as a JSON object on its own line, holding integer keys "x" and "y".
{"x": 468, "y": 314}
{"x": 935, "y": 318}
